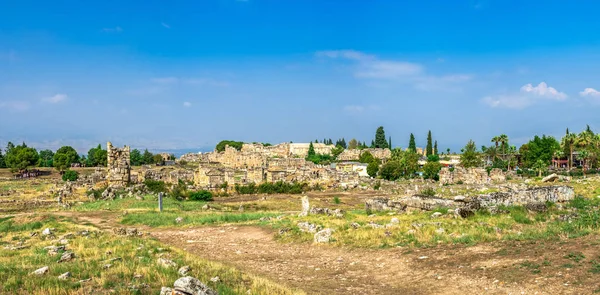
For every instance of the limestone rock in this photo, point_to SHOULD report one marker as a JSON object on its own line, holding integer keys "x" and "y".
{"x": 395, "y": 220}
{"x": 354, "y": 225}
{"x": 305, "y": 206}
{"x": 40, "y": 271}
{"x": 465, "y": 212}
{"x": 64, "y": 276}
{"x": 215, "y": 279}
{"x": 309, "y": 227}
{"x": 323, "y": 236}
{"x": 53, "y": 250}
{"x": 192, "y": 286}
{"x": 46, "y": 232}
{"x": 550, "y": 178}
{"x": 166, "y": 291}
{"x": 536, "y": 207}
{"x": 184, "y": 270}
{"x": 166, "y": 263}
{"x": 436, "y": 214}
{"x": 179, "y": 220}
{"x": 67, "y": 256}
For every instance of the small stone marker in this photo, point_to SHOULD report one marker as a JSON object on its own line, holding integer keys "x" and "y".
{"x": 160, "y": 205}
{"x": 305, "y": 206}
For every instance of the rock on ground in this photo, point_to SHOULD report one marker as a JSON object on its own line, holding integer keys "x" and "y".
{"x": 192, "y": 286}
{"x": 67, "y": 256}
{"x": 166, "y": 263}
{"x": 305, "y": 206}
{"x": 184, "y": 270}
{"x": 40, "y": 271}
{"x": 323, "y": 236}
{"x": 64, "y": 276}
{"x": 309, "y": 227}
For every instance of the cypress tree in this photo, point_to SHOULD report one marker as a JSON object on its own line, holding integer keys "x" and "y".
{"x": 380, "y": 141}
{"x": 429, "y": 148}
{"x": 435, "y": 148}
{"x": 390, "y": 143}
{"x": 311, "y": 150}
{"x": 412, "y": 146}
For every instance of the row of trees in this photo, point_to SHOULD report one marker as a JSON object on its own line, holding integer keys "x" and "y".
{"x": 22, "y": 157}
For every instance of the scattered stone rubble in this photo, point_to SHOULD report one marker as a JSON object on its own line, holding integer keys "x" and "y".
{"x": 188, "y": 286}
{"x": 533, "y": 198}
{"x": 470, "y": 175}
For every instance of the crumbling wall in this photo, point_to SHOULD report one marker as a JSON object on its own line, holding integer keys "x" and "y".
{"x": 354, "y": 154}
{"x": 471, "y": 175}
{"x": 118, "y": 165}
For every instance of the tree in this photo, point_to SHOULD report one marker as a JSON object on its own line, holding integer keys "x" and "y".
{"x": 311, "y": 151}
{"x": 412, "y": 146}
{"x": 431, "y": 170}
{"x": 234, "y": 144}
{"x": 366, "y": 157}
{"x": 380, "y": 141}
{"x": 336, "y": 151}
{"x": 2, "y": 162}
{"x": 97, "y": 157}
{"x": 70, "y": 175}
{"x": 470, "y": 157}
{"x": 539, "y": 148}
{"x": 568, "y": 142}
{"x": 540, "y": 166}
{"x": 20, "y": 157}
{"x": 147, "y": 157}
{"x": 45, "y": 158}
{"x": 135, "y": 157}
{"x": 391, "y": 170}
{"x": 429, "y": 148}
{"x": 448, "y": 151}
{"x": 390, "y": 143}
{"x": 353, "y": 144}
{"x": 373, "y": 168}
{"x": 503, "y": 138}
{"x": 496, "y": 140}
{"x": 64, "y": 157}
{"x": 157, "y": 159}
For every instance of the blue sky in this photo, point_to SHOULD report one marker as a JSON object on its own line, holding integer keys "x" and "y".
{"x": 186, "y": 74}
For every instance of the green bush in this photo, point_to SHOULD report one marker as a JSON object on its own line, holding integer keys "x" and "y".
{"x": 70, "y": 175}
{"x": 279, "y": 187}
{"x": 155, "y": 186}
{"x": 201, "y": 196}
{"x": 428, "y": 192}
{"x": 336, "y": 200}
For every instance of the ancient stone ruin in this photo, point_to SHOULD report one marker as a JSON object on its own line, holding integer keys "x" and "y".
{"x": 471, "y": 176}
{"x": 119, "y": 165}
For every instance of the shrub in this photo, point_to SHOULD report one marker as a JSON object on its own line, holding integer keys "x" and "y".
{"x": 155, "y": 186}
{"x": 377, "y": 185}
{"x": 336, "y": 200}
{"x": 279, "y": 187}
{"x": 428, "y": 192}
{"x": 373, "y": 168}
{"x": 201, "y": 196}
{"x": 70, "y": 175}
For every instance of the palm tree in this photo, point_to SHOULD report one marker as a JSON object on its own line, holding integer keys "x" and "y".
{"x": 585, "y": 141}
{"x": 496, "y": 140}
{"x": 512, "y": 150}
{"x": 569, "y": 141}
{"x": 503, "y": 138}
{"x": 584, "y": 154}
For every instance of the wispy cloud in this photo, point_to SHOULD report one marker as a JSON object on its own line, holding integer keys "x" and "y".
{"x": 369, "y": 66}
{"x": 14, "y": 105}
{"x": 527, "y": 96}
{"x": 55, "y": 98}
{"x": 112, "y": 30}
{"x": 591, "y": 95}
{"x": 165, "y": 25}
{"x": 359, "y": 108}
{"x": 187, "y": 104}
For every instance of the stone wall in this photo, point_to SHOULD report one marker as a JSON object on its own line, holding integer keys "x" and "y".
{"x": 354, "y": 155}
{"x": 471, "y": 175}
{"x": 118, "y": 165}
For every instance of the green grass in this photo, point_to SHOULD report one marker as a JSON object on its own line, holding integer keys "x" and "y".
{"x": 156, "y": 219}
{"x": 575, "y": 256}
{"x": 139, "y": 256}
{"x": 148, "y": 203}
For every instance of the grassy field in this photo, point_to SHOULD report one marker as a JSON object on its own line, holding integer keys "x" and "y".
{"x": 133, "y": 262}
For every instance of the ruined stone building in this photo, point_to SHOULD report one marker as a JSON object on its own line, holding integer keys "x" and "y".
{"x": 470, "y": 175}
{"x": 354, "y": 154}
{"x": 118, "y": 165}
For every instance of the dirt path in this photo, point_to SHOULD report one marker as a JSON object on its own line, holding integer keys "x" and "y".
{"x": 499, "y": 268}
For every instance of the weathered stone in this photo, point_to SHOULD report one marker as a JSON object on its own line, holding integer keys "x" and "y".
{"x": 395, "y": 220}
{"x": 354, "y": 225}
{"x": 427, "y": 203}
{"x": 53, "y": 250}
{"x": 323, "y": 236}
{"x": 179, "y": 220}
{"x": 192, "y": 286}
{"x": 378, "y": 204}
{"x": 166, "y": 291}
{"x": 46, "y": 232}
{"x": 305, "y": 206}
{"x": 436, "y": 214}
{"x": 40, "y": 271}
{"x": 339, "y": 213}
{"x": 459, "y": 198}
{"x": 166, "y": 263}
{"x": 309, "y": 227}
{"x": 215, "y": 279}
{"x": 550, "y": 178}
{"x": 64, "y": 276}
{"x": 118, "y": 165}
{"x": 531, "y": 195}
{"x": 184, "y": 270}
{"x": 67, "y": 256}
{"x": 465, "y": 212}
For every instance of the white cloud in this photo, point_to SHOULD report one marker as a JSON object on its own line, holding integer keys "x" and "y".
{"x": 112, "y": 30}
{"x": 187, "y": 104}
{"x": 590, "y": 92}
{"x": 55, "y": 99}
{"x": 527, "y": 96}
{"x": 14, "y": 105}
{"x": 543, "y": 90}
{"x": 374, "y": 68}
{"x": 165, "y": 25}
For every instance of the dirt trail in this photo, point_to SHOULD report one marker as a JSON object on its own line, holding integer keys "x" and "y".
{"x": 322, "y": 269}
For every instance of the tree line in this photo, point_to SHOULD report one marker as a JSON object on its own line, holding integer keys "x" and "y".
{"x": 22, "y": 157}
